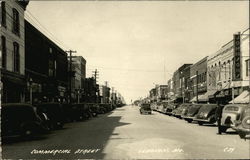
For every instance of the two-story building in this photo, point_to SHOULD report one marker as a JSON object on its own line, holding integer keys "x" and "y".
{"x": 12, "y": 51}
{"x": 180, "y": 83}
{"x": 45, "y": 67}
{"x": 228, "y": 69}
{"x": 198, "y": 81}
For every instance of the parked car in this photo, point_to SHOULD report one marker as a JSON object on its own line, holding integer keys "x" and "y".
{"x": 153, "y": 106}
{"x": 94, "y": 109}
{"x": 102, "y": 109}
{"x": 145, "y": 108}
{"x": 185, "y": 110}
{"x": 170, "y": 107}
{"x": 242, "y": 125}
{"x": 55, "y": 113}
{"x": 206, "y": 114}
{"x": 230, "y": 113}
{"x": 191, "y": 113}
{"x": 68, "y": 112}
{"x": 160, "y": 107}
{"x": 19, "y": 119}
{"x": 178, "y": 111}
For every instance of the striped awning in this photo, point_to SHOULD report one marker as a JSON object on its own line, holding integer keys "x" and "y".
{"x": 242, "y": 98}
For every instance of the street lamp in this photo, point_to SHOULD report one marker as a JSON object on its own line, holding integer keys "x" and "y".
{"x": 30, "y": 88}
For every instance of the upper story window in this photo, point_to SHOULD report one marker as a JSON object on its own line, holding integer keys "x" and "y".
{"x": 16, "y": 57}
{"x": 4, "y": 53}
{"x": 16, "y": 22}
{"x": 3, "y": 14}
{"x": 52, "y": 68}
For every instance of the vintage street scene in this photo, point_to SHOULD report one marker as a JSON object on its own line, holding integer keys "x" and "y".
{"x": 124, "y": 79}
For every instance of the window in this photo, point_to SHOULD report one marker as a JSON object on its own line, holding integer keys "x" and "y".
{"x": 52, "y": 68}
{"x": 16, "y": 57}
{"x": 247, "y": 67}
{"x": 4, "y": 56}
{"x": 16, "y": 27}
{"x": 3, "y": 14}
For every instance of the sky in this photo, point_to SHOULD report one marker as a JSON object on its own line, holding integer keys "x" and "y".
{"x": 137, "y": 44}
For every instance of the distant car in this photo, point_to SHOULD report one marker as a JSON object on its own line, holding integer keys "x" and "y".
{"x": 206, "y": 114}
{"x": 242, "y": 125}
{"x": 230, "y": 113}
{"x": 170, "y": 107}
{"x": 94, "y": 108}
{"x": 55, "y": 113}
{"x": 18, "y": 119}
{"x": 191, "y": 113}
{"x": 153, "y": 106}
{"x": 145, "y": 108}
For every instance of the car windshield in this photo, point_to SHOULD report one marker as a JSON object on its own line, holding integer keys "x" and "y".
{"x": 207, "y": 108}
{"x": 232, "y": 108}
{"x": 194, "y": 108}
{"x": 146, "y": 105}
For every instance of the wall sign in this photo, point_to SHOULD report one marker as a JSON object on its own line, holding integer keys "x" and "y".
{"x": 237, "y": 58}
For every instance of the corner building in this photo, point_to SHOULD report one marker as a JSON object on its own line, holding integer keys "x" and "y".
{"x": 12, "y": 51}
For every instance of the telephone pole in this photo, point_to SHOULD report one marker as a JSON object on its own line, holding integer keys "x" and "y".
{"x": 70, "y": 73}
{"x": 95, "y": 75}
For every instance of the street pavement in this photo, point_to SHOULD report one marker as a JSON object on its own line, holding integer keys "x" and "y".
{"x": 125, "y": 134}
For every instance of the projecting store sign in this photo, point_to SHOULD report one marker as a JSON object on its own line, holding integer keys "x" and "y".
{"x": 237, "y": 58}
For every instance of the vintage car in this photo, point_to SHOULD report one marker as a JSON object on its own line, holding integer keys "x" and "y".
{"x": 230, "y": 113}
{"x": 145, "y": 108}
{"x": 153, "y": 106}
{"x": 162, "y": 107}
{"x": 242, "y": 125}
{"x": 19, "y": 119}
{"x": 185, "y": 110}
{"x": 81, "y": 111}
{"x": 180, "y": 109}
{"x": 94, "y": 109}
{"x": 191, "y": 113}
{"x": 55, "y": 114}
{"x": 206, "y": 114}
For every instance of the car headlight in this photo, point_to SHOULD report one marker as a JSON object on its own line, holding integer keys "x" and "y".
{"x": 248, "y": 121}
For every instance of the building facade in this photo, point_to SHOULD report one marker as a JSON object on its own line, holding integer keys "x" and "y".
{"x": 45, "y": 67}
{"x": 228, "y": 69}
{"x": 79, "y": 70}
{"x": 180, "y": 83}
{"x": 12, "y": 51}
{"x": 105, "y": 94}
{"x": 198, "y": 81}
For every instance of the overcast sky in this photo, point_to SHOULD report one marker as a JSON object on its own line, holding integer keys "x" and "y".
{"x": 137, "y": 44}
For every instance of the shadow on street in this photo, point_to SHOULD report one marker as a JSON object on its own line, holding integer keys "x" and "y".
{"x": 85, "y": 140}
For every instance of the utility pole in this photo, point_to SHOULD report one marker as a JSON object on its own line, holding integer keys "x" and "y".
{"x": 70, "y": 74}
{"x": 95, "y": 75}
{"x": 197, "y": 100}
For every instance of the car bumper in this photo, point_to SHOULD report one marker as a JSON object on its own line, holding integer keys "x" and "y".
{"x": 202, "y": 120}
{"x": 241, "y": 129}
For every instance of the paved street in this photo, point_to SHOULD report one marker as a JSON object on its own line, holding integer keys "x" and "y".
{"x": 124, "y": 133}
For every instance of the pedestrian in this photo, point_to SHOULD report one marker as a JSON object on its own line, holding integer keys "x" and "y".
{"x": 218, "y": 116}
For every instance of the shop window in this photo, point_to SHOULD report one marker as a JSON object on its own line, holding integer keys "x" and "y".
{"x": 16, "y": 22}
{"x": 4, "y": 53}
{"x": 3, "y": 14}
{"x": 16, "y": 57}
{"x": 247, "y": 67}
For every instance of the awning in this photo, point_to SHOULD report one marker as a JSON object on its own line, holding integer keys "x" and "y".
{"x": 242, "y": 98}
{"x": 194, "y": 98}
{"x": 205, "y": 97}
